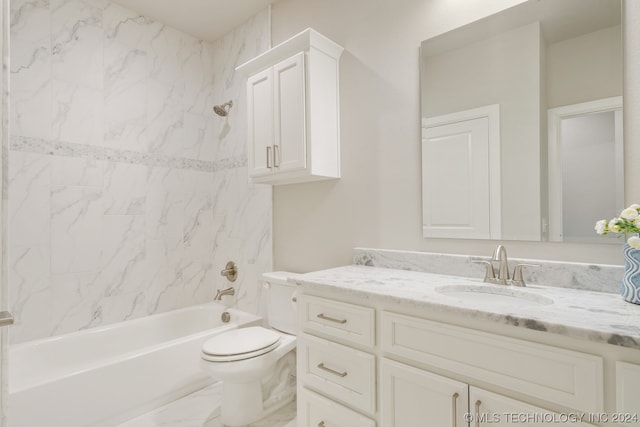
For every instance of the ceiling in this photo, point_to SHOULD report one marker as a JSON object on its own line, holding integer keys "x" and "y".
{"x": 204, "y": 19}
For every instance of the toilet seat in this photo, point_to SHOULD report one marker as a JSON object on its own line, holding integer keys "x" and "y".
{"x": 240, "y": 344}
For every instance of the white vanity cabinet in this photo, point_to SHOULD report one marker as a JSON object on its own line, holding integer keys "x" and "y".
{"x": 409, "y": 395}
{"x": 370, "y": 366}
{"x": 293, "y": 132}
{"x": 568, "y": 378}
{"x": 335, "y": 359}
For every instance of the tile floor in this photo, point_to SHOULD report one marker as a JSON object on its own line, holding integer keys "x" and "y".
{"x": 202, "y": 409}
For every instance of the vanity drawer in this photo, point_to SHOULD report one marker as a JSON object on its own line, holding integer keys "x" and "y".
{"x": 315, "y": 410}
{"x": 338, "y": 371}
{"x": 557, "y": 375}
{"x": 350, "y": 323}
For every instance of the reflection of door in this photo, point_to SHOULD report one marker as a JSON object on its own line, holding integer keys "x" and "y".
{"x": 586, "y": 181}
{"x": 461, "y": 175}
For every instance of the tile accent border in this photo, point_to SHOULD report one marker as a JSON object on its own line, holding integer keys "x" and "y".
{"x": 69, "y": 149}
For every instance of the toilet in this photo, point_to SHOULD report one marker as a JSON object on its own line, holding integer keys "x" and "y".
{"x": 257, "y": 364}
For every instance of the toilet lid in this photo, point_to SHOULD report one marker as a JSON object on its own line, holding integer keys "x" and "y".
{"x": 241, "y": 343}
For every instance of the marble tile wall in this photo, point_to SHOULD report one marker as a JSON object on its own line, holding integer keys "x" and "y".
{"x": 127, "y": 195}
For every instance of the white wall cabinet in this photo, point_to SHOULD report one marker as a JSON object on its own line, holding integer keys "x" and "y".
{"x": 293, "y": 115}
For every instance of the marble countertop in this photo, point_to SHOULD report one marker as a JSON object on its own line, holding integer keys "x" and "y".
{"x": 594, "y": 316}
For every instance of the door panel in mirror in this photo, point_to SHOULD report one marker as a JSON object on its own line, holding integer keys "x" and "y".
{"x": 586, "y": 169}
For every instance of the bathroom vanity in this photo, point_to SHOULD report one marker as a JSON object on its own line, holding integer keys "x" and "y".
{"x": 396, "y": 348}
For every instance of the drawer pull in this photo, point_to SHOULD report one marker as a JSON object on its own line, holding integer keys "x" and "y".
{"x": 321, "y": 424}
{"x": 478, "y": 403}
{"x": 331, "y": 319}
{"x": 454, "y": 410}
{"x": 331, "y": 371}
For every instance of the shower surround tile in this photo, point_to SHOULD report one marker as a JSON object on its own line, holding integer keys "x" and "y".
{"x": 29, "y": 213}
{"x": 77, "y": 217}
{"x": 127, "y": 195}
{"x": 30, "y": 100}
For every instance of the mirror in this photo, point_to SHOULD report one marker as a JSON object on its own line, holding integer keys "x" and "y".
{"x": 506, "y": 102}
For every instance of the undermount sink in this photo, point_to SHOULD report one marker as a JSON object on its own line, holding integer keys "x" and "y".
{"x": 494, "y": 295}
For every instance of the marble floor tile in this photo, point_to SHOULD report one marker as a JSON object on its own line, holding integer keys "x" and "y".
{"x": 202, "y": 409}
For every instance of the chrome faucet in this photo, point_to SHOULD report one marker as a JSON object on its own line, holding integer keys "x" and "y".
{"x": 500, "y": 255}
{"x": 222, "y": 292}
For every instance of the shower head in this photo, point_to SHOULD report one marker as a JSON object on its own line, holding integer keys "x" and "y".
{"x": 223, "y": 110}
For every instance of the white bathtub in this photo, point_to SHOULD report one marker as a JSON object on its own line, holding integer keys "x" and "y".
{"x": 103, "y": 376}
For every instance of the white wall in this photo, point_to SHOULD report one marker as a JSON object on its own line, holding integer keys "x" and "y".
{"x": 593, "y": 58}
{"x": 377, "y": 202}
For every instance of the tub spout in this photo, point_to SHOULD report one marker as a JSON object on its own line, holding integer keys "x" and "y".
{"x": 222, "y": 292}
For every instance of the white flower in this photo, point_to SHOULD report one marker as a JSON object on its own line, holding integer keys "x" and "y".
{"x": 629, "y": 213}
{"x": 613, "y": 225}
{"x": 627, "y": 223}
{"x": 634, "y": 242}
{"x": 601, "y": 226}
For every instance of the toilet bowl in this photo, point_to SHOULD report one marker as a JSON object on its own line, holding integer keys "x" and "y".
{"x": 256, "y": 364}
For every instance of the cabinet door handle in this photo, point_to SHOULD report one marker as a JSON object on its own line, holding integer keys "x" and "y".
{"x": 478, "y": 403}
{"x": 269, "y": 157}
{"x": 276, "y": 156}
{"x": 331, "y": 319}
{"x": 321, "y": 424}
{"x": 331, "y": 371}
{"x": 454, "y": 409}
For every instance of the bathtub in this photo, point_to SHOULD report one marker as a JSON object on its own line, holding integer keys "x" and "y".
{"x": 106, "y": 375}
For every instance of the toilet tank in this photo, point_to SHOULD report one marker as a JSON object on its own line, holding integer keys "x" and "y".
{"x": 281, "y": 312}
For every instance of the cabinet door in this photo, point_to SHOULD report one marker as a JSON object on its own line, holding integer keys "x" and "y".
{"x": 411, "y": 397}
{"x": 260, "y": 134}
{"x": 290, "y": 150}
{"x": 628, "y": 394}
{"x": 494, "y": 410}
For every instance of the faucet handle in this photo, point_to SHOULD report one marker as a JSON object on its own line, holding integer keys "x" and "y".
{"x": 230, "y": 271}
{"x": 490, "y": 274}
{"x": 518, "y": 280}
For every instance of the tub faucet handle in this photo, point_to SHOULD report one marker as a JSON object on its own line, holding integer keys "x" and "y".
{"x": 230, "y": 271}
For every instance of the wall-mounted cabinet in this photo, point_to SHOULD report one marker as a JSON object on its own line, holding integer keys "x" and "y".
{"x": 293, "y": 115}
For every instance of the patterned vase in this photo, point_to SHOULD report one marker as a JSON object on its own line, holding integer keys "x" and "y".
{"x": 630, "y": 288}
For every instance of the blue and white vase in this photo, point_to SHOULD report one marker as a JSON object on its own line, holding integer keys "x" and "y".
{"x": 630, "y": 287}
